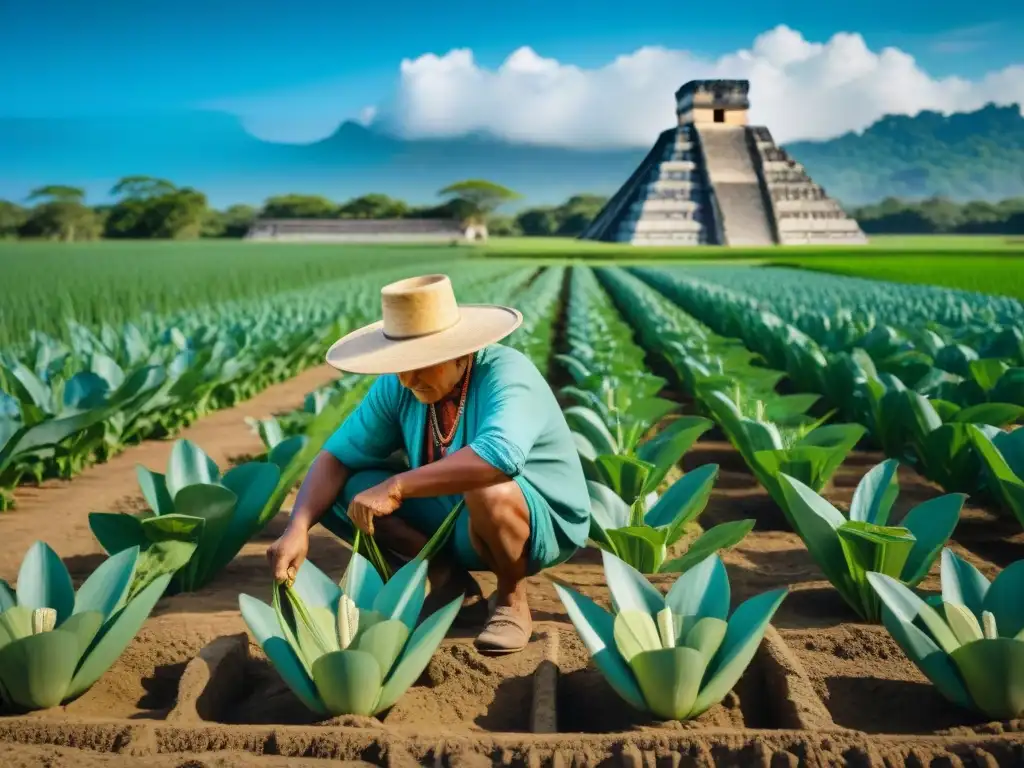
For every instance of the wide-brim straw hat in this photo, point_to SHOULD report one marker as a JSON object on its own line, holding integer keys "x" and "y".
{"x": 422, "y": 325}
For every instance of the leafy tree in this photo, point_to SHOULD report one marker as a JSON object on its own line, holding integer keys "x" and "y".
{"x": 141, "y": 188}
{"x": 299, "y": 207}
{"x": 12, "y": 218}
{"x": 232, "y": 222}
{"x": 503, "y": 226}
{"x": 61, "y": 214}
{"x": 373, "y": 206}
{"x": 538, "y": 222}
{"x": 479, "y": 197}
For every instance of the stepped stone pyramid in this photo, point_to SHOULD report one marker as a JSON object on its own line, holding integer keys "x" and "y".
{"x": 715, "y": 180}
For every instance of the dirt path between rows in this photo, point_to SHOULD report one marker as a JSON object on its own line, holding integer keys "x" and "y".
{"x": 57, "y": 511}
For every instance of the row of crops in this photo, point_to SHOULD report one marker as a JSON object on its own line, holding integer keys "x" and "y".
{"x": 66, "y": 403}
{"x": 655, "y": 648}
{"x": 355, "y": 647}
{"x": 941, "y": 398}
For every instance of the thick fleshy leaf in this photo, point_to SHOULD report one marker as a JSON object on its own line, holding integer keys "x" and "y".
{"x": 706, "y": 636}
{"x": 742, "y": 638}
{"x": 1005, "y": 599}
{"x": 35, "y": 671}
{"x": 44, "y": 582}
{"x": 189, "y": 465}
{"x": 683, "y": 502}
{"x": 666, "y": 449}
{"x": 635, "y": 632}
{"x": 996, "y": 414}
{"x": 817, "y": 522}
{"x": 263, "y": 623}
{"x": 630, "y": 590}
{"x": 107, "y": 586}
{"x": 596, "y": 628}
{"x": 417, "y": 653}
{"x": 962, "y": 583}
{"x": 962, "y": 623}
{"x": 670, "y": 680}
{"x": 641, "y": 547}
{"x": 117, "y": 531}
{"x": 869, "y": 547}
{"x": 992, "y": 670}
{"x": 154, "y": 489}
{"x": 403, "y": 594}
{"x": 624, "y": 474}
{"x": 1002, "y": 479}
{"x": 361, "y": 582}
{"x": 253, "y": 483}
{"x": 115, "y": 635}
{"x": 15, "y": 623}
{"x": 934, "y": 663}
{"x": 215, "y": 505}
{"x": 7, "y": 597}
{"x": 283, "y": 453}
{"x": 349, "y": 682}
{"x": 910, "y": 608}
{"x": 722, "y": 536}
{"x": 590, "y": 425}
{"x": 385, "y": 641}
{"x": 607, "y": 509}
{"x": 703, "y": 591}
{"x": 932, "y": 524}
{"x": 876, "y": 493}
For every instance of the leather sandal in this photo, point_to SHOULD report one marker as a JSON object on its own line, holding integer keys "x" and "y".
{"x": 506, "y": 631}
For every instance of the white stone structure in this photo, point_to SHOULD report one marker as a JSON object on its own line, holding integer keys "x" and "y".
{"x": 716, "y": 180}
{"x": 365, "y": 231}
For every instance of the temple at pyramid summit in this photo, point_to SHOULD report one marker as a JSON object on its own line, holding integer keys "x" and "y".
{"x": 715, "y": 180}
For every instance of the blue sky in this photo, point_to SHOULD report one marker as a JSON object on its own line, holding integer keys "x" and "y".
{"x": 317, "y": 58}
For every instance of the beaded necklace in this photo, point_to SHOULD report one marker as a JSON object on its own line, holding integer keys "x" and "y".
{"x": 442, "y": 441}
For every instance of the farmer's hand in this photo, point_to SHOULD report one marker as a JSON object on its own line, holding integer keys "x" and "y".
{"x": 382, "y": 499}
{"x": 287, "y": 553}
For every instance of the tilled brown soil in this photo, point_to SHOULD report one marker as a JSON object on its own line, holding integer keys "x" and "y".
{"x": 824, "y": 689}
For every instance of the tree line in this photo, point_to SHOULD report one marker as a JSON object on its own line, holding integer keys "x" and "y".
{"x": 149, "y": 208}
{"x": 940, "y": 216}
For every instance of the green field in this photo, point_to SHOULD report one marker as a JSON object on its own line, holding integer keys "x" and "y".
{"x": 112, "y": 281}
{"x": 41, "y": 284}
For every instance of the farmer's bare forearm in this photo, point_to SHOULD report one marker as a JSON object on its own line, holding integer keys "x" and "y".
{"x": 323, "y": 484}
{"x": 457, "y": 473}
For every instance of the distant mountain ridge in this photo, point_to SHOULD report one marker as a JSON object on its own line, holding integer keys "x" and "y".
{"x": 976, "y": 155}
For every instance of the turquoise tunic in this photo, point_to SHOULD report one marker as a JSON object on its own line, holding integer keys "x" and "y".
{"x": 511, "y": 420}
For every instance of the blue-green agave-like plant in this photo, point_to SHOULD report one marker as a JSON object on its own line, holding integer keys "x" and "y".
{"x": 55, "y": 643}
{"x": 969, "y": 641}
{"x": 674, "y": 655}
{"x": 353, "y": 648}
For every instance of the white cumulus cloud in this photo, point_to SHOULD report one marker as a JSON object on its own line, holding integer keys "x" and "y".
{"x": 799, "y": 89}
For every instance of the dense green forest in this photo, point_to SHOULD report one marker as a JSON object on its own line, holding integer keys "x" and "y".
{"x": 148, "y": 208}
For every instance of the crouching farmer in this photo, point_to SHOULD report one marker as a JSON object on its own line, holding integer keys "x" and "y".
{"x": 477, "y": 422}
